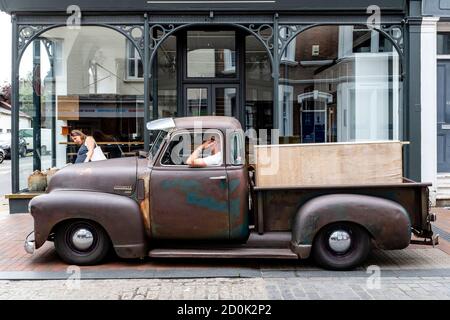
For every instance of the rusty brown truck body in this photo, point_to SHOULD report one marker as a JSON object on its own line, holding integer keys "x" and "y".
{"x": 158, "y": 206}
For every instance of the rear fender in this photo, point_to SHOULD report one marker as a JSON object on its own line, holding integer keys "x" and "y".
{"x": 387, "y": 221}
{"x": 118, "y": 215}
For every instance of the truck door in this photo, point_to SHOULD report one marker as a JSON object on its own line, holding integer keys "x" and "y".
{"x": 189, "y": 203}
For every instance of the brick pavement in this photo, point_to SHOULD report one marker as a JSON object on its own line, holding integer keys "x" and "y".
{"x": 415, "y": 273}
{"x": 14, "y": 228}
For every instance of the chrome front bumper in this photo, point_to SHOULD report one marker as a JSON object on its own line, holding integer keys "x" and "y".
{"x": 29, "y": 243}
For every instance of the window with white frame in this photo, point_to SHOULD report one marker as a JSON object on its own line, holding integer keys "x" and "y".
{"x": 288, "y": 55}
{"x": 229, "y": 58}
{"x": 135, "y": 69}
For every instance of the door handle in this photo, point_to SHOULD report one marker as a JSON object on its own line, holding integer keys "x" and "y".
{"x": 218, "y": 178}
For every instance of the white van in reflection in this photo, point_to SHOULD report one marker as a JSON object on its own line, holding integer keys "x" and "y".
{"x": 46, "y": 139}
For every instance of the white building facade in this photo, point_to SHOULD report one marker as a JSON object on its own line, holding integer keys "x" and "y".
{"x": 435, "y": 98}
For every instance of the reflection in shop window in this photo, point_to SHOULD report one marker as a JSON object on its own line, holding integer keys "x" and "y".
{"x": 286, "y": 105}
{"x": 346, "y": 87}
{"x": 77, "y": 79}
{"x": 135, "y": 69}
{"x": 229, "y": 61}
{"x": 259, "y": 86}
{"x": 165, "y": 77}
{"x": 288, "y": 55}
{"x": 211, "y": 54}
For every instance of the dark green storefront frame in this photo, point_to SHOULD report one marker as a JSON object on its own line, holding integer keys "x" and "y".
{"x": 410, "y": 23}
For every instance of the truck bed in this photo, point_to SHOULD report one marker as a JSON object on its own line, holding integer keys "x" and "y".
{"x": 275, "y": 207}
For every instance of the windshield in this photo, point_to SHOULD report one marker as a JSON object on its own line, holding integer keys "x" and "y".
{"x": 156, "y": 140}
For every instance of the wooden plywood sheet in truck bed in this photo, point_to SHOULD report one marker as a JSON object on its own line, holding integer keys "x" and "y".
{"x": 329, "y": 164}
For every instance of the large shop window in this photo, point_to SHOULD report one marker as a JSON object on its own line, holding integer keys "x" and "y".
{"x": 79, "y": 79}
{"x": 258, "y": 86}
{"x": 165, "y": 79}
{"x": 339, "y": 84}
{"x": 211, "y": 54}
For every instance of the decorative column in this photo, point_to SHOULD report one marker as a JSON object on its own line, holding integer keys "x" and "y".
{"x": 428, "y": 93}
{"x": 412, "y": 105}
{"x": 14, "y": 108}
{"x": 276, "y": 73}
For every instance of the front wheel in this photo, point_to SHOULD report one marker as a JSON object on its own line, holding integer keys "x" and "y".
{"x": 341, "y": 246}
{"x": 81, "y": 242}
{"x": 2, "y": 157}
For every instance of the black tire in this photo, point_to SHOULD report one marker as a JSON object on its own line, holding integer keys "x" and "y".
{"x": 2, "y": 157}
{"x": 71, "y": 254}
{"x": 357, "y": 253}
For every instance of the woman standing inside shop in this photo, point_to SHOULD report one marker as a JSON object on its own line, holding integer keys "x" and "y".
{"x": 89, "y": 150}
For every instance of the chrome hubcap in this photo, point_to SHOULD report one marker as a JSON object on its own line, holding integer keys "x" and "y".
{"x": 82, "y": 239}
{"x": 339, "y": 241}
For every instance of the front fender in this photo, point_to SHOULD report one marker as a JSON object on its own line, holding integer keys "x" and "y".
{"x": 118, "y": 215}
{"x": 387, "y": 221}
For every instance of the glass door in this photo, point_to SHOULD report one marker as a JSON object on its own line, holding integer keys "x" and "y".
{"x": 198, "y": 100}
{"x": 211, "y": 99}
{"x": 225, "y": 100}
{"x": 211, "y": 73}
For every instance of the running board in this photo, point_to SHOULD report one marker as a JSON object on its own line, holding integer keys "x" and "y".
{"x": 251, "y": 253}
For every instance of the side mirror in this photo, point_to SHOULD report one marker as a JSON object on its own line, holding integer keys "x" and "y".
{"x": 143, "y": 154}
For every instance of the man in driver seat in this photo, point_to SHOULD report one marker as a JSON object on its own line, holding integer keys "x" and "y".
{"x": 215, "y": 159}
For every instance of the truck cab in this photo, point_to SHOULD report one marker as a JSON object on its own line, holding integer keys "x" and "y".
{"x": 200, "y": 203}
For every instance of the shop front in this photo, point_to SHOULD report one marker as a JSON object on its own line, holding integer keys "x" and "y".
{"x": 316, "y": 71}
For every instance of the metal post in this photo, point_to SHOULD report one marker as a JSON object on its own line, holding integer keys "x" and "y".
{"x": 154, "y": 84}
{"x": 275, "y": 73}
{"x": 14, "y": 108}
{"x": 51, "y": 51}
{"x": 37, "y": 104}
{"x": 146, "y": 82}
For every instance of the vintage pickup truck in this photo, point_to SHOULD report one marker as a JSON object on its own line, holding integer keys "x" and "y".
{"x": 158, "y": 206}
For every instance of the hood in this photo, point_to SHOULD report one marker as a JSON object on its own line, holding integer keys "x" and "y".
{"x": 111, "y": 176}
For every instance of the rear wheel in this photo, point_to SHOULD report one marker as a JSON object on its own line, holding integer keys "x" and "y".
{"x": 81, "y": 242}
{"x": 2, "y": 156}
{"x": 341, "y": 246}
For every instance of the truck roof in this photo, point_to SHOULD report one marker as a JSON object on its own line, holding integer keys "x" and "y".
{"x": 208, "y": 122}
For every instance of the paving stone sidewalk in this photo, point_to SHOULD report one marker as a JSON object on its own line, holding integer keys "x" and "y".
{"x": 419, "y": 272}
{"x": 307, "y": 288}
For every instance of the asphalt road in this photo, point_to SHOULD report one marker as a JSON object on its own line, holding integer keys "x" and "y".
{"x": 26, "y": 168}
{"x": 5, "y": 178}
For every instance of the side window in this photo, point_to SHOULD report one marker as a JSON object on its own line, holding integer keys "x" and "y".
{"x": 178, "y": 150}
{"x": 182, "y": 145}
{"x": 237, "y": 149}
